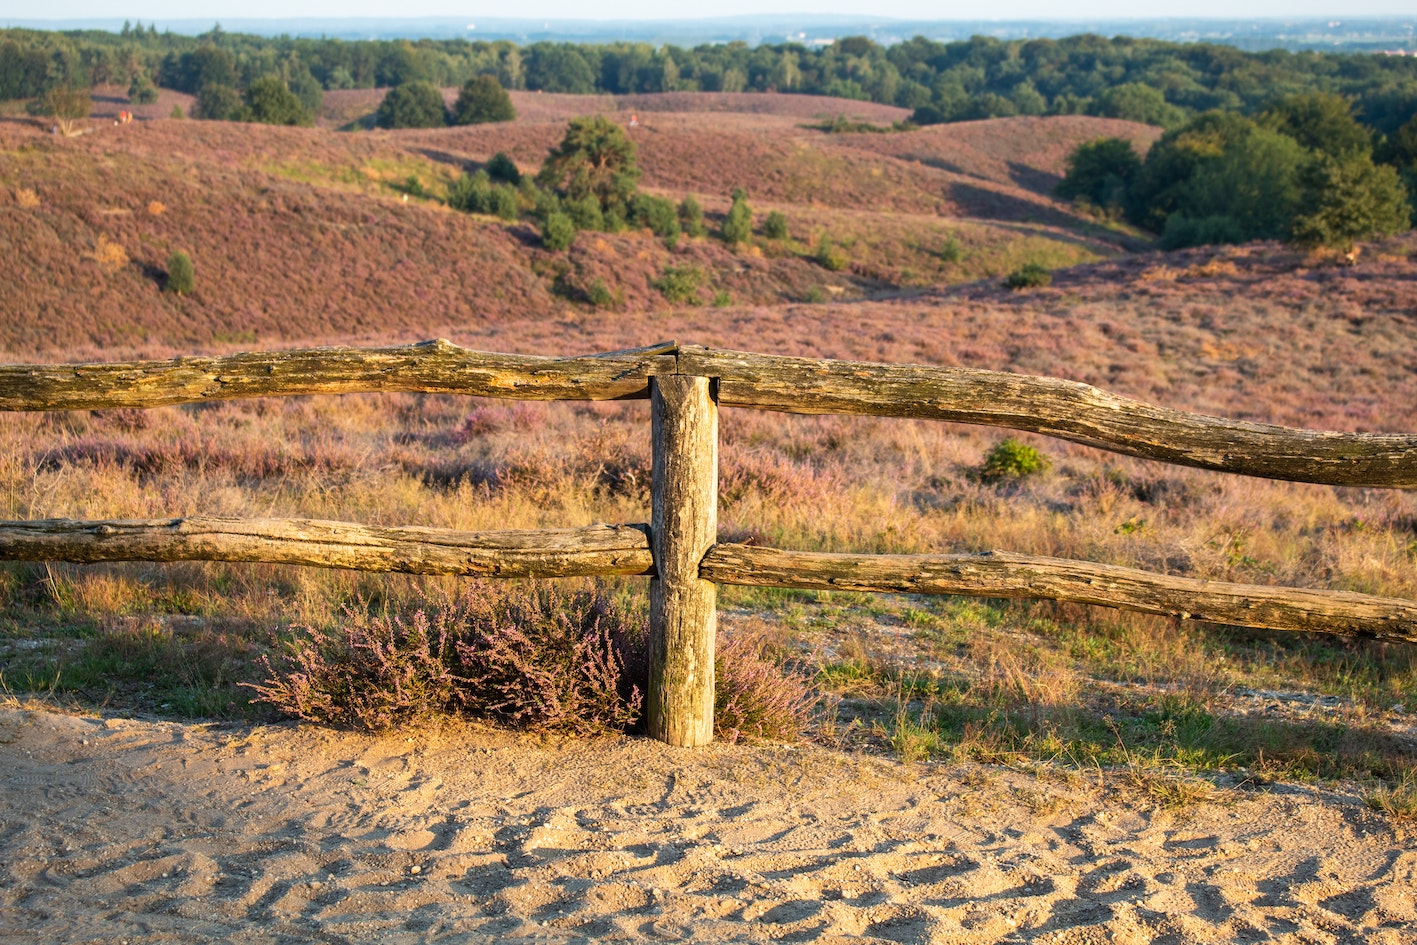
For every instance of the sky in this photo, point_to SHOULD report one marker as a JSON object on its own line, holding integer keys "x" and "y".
{"x": 148, "y": 10}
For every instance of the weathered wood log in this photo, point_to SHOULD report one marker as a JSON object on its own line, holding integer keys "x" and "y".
{"x": 683, "y": 612}
{"x": 1065, "y": 409}
{"x": 998, "y": 574}
{"x": 568, "y": 552}
{"x": 429, "y": 367}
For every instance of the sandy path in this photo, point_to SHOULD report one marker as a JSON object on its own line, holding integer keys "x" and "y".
{"x": 162, "y": 832}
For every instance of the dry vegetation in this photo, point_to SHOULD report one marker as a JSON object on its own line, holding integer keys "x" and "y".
{"x": 303, "y": 235}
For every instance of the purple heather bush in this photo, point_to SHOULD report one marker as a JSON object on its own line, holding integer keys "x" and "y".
{"x": 529, "y": 655}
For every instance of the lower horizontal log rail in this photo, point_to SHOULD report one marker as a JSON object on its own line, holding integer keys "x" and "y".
{"x": 1000, "y": 574}
{"x": 600, "y": 550}
{"x": 545, "y": 553}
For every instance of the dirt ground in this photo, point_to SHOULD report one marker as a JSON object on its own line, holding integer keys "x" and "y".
{"x": 130, "y": 830}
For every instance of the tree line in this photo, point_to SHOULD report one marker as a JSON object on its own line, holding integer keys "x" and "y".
{"x": 1146, "y": 80}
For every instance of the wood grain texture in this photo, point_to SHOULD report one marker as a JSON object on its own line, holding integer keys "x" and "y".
{"x": 569, "y": 552}
{"x": 429, "y": 367}
{"x": 683, "y": 607}
{"x": 999, "y": 574}
{"x": 1065, "y": 409}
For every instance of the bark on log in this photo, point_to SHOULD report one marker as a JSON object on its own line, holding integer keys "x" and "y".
{"x": 569, "y": 552}
{"x": 683, "y": 612}
{"x": 1065, "y": 409}
{"x": 998, "y": 574}
{"x": 435, "y": 367}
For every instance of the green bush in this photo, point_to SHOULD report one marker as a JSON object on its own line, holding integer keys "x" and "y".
{"x": 270, "y": 102}
{"x": 482, "y": 100}
{"x": 475, "y": 193}
{"x": 691, "y": 217}
{"x": 738, "y": 224}
{"x": 775, "y": 226}
{"x": 1099, "y": 172}
{"x": 412, "y": 105}
{"x": 181, "y": 276}
{"x": 681, "y": 284}
{"x": 1029, "y": 276}
{"x": 599, "y": 294}
{"x": 658, "y": 214}
{"x": 584, "y": 212}
{"x": 830, "y": 256}
{"x": 558, "y": 232}
{"x": 141, "y": 90}
{"x": 951, "y": 252}
{"x": 504, "y": 169}
{"x": 1346, "y": 199}
{"x": 217, "y": 103}
{"x": 1012, "y": 460}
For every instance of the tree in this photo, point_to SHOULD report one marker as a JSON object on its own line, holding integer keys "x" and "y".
{"x": 1348, "y": 198}
{"x": 270, "y": 102}
{"x": 482, "y": 100}
{"x": 1320, "y": 121}
{"x": 504, "y": 169}
{"x": 1249, "y": 191}
{"x": 217, "y": 103}
{"x": 738, "y": 224}
{"x": 67, "y": 106}
{"x": 141, "y": 90}
{"x": 181, "y": 277}
{"x": 558, "y": 231}
{"x": 775, "y": 226}
{"x": 1100, "y": 172}
{"x": 595, "y": 159}
{"x": 415, "y": 104}
{"x": 1134, "y": 101}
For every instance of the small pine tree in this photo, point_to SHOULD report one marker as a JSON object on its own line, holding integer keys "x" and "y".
{"x": 738, "y": 225}
{"x": 691, "y": 217}
{"x": 413, "y": 104}
{"x": 558, "y": 232}
{"x": 181, "y": 277}
{"x": 775, "y": 226}
{"x": 141, "y": 90}
{"x": 504, "y": 169}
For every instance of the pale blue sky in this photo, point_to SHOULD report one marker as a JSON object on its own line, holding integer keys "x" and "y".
{"x": 657, "y": 9}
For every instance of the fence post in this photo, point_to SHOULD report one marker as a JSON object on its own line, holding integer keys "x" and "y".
{"x": 683, "y": 609}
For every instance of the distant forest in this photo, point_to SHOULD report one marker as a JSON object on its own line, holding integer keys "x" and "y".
{"x": 1152, "y": 81}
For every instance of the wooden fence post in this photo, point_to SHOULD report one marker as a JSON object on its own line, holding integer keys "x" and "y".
{"x": 683, "y": 609}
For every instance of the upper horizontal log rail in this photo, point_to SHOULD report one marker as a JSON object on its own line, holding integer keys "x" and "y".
{"x": 1001, "y": 574}
{"x": 547, "y": 553}
{"x": 1068, "y": 410}
{"x": 432, "y": 367}
{"x": 1064, "y": 409}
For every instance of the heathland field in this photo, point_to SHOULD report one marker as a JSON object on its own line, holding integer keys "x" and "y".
{"x": 321, "y": 236}
{"x": 1047, "y": 768}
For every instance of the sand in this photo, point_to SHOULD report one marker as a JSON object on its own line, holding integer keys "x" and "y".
{"x": 121, "y": 829}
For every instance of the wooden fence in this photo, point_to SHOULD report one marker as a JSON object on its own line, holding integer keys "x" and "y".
{"x": 678, "y": 548}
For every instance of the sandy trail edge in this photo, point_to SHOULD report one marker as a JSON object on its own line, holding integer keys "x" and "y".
{"x": 119, "y": 829}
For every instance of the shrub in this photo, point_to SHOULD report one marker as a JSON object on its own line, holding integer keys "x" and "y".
{"x": 529, "y": 655}
{"x": 475, "y": 193}
{"x": 177, "y": 114}
{"x": 754, "y": 698}
{"x": 1100, "y": 172}
{"x": 681, "y": 284}
{"x": 67, "y": 105}
{"x": 951, "y": 252}
{"x": 691, "y": 217}
{"x": 558, "y": 232}
{"x": 374, "y": 673}
{"x": 775, "y": 226}
{"x": 1012, "y": 460}
{"x": 585, "y": 212}
{"x": 411, "y": 105}
{"x": 141, "y": 90}
{"x": 599, "y": 294}
{"x": 504, "y": 169}
{"x": 270, "y": 102}
{"x": 482, "y": 100}
{"x": 658, "y": 214}
{"x": 738, "y": 224}
{"x": 1029, "y": 276}
{"x": 830, "y": 256}
{"x": 217, "y": 103}
{"x": 181, "y": 277}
